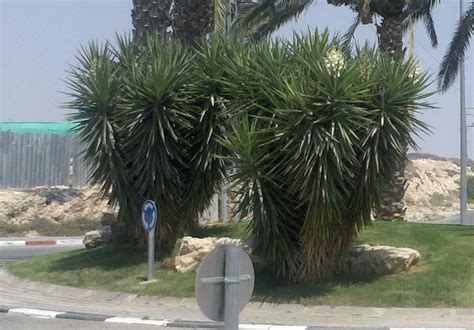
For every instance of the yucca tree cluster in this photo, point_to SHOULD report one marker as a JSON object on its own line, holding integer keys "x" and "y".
{"x": 309, "y": 129}
{"x": 149, "y": 118}
{"x": 319, "y": 130}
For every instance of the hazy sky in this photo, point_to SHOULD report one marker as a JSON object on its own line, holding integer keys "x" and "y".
{"x": 39, "y": 39}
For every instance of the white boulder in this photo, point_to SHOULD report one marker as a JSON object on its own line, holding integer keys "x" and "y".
{"x": 365, "y": 259}
{"x": 192, "y": 250}
{"x": 95, "y": 238}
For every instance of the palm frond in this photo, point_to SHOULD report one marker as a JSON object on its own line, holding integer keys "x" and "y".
{"x": 430, "y": 29}
{"x": 262, "y": 9}
{"x": 220, "y": 9}
{"x": 422, "y": 10}
{"x": 269, "y": 15}
{"x": 346, "y": 39}
{"x": 459, "y": 44}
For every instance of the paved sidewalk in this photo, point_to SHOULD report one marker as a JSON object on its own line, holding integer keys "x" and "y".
{"x": 15, "y": 292}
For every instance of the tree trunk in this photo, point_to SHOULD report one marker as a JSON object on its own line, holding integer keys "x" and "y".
{"x": 391, "y": 202}
{"x": 186, "y": 20}
{"x": 390, "y": 34}
{"x": 391, "y": 198}
{"x": 192, "y": 19}
{"x": 149, "y": 16}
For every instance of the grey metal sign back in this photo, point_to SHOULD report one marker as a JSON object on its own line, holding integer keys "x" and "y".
{"x": 225, "y": 273}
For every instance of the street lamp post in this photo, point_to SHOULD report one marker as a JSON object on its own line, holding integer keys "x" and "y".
{"x": 463, "y": 192}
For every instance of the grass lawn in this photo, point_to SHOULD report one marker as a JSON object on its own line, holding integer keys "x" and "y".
{"x": 445, "y": 277}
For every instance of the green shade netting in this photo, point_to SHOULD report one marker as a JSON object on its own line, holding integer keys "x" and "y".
{"x": 63, "y": 128}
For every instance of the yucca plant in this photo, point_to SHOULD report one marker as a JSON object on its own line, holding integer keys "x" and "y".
{"x": 392, "y": 18}
{"x": 320, "y": 131}
{"x": 149, "y": 116}
{"x": 207, "y": 164}
{"x": 310, "y": 129}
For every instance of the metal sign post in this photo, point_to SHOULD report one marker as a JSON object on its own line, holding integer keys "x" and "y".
{"x": 151, "y": 255}
{"x": 224, "y": 284}
{"x": 149, "y": 219}
{"x": 462, "y": 105}
{"x": 232, "y": 288}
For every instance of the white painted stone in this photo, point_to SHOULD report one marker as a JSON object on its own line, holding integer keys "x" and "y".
{"x": 12, "y": 243}
{"x": 69, "y": 242}
{"x": 136, "y": 320}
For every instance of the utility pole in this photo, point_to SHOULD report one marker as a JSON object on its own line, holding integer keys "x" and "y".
{"x": 462, "y": 104}
{"x": 232, "y": 13}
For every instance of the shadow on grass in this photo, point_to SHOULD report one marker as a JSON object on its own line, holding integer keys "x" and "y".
{"x": 114, "y": 257}
{"x": 107, "y": 258}
{"x": 233, "y": 230}
{"x": 270, "y": 290}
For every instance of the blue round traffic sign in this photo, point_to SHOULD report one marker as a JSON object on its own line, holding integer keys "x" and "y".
{"x": 149, "y": 215}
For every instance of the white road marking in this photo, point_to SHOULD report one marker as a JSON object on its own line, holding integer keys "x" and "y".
{"x": 136, "y": 320}
{"x": 270, "y": 327}
{"x": 45, "y": 314}
{"x": 254, "y": 326}
{"x": 12, "y": 243}
{"x": 69, "y": 242}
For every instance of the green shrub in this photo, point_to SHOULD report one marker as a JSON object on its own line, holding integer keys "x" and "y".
{"x": 470, "y": 188}
{"x": 149, "y": 118}
{"x": 319, "y": 130}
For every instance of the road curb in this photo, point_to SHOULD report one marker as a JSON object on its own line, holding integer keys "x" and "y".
{"x": 42, "y": 242}
{"x": 83, "y": 316}
{"x": 41, "y": 313}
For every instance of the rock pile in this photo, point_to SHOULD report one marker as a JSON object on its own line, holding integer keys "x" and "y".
{"x": 191, "y": 251}
{"x": 57, "y": 204}
{"x": 362, "y": 259}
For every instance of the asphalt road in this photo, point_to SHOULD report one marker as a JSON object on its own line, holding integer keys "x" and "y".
{"x": 8, "y": 253}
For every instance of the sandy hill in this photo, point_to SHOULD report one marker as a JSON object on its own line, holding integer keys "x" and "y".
{"x": 433, "y": 186}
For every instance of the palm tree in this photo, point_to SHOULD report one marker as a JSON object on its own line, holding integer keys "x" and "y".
{"x": 457, "y": 48}
{"x": 395, "y": 17}
{"x": 392, "y": 19}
